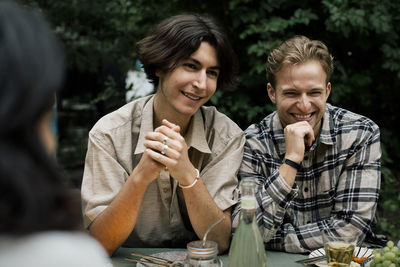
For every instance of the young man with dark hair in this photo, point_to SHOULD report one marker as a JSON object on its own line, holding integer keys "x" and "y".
{"x": 161, "y": 169}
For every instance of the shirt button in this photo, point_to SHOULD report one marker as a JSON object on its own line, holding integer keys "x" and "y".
{"x": 306, "y": 189}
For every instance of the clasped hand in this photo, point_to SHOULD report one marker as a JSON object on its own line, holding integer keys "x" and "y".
{"x": 167, "y": 149}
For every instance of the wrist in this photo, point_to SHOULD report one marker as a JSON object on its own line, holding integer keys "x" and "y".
{"x": 139, "y": 179}
{"x": 293, "y": 156}
{"x": 193, "y": 182}
{"x": 292, "y": 163}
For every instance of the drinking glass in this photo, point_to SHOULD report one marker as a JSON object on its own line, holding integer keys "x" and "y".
{"x": 338, "y": 249}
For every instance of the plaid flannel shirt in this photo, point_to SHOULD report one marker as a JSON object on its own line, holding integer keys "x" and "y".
{"x": 337, "y": 186}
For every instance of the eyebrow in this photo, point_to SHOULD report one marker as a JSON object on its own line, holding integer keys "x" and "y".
{"x": 318, "y": 89}
{"x": 199, "y": 63}
{"x": 294, "y": 89}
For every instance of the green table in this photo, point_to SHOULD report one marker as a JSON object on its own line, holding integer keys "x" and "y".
{"x": 274, "y": 259}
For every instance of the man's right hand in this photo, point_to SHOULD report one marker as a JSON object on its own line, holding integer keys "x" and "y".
{"x": 147, "y": 168}
{"x": 297, "y": 136}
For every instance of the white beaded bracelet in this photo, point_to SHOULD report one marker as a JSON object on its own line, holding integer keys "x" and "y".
{"x": 194, "y": 182}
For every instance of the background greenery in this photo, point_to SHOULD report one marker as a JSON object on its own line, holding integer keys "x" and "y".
{"x": 363, "y": 36}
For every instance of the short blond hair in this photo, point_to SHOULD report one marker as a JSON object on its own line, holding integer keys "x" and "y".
{"x": 296, "y": 50}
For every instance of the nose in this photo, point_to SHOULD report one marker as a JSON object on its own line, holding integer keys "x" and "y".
{"x": 304, "y": 103}
{"x": 201, "y": 80}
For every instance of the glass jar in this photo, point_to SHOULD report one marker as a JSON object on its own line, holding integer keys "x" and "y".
{"x": 199, "y": 256}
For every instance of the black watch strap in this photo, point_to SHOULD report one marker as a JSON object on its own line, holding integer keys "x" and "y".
{"x": 291, "y": 163}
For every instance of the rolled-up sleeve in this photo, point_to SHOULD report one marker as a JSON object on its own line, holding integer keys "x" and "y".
{"x": 103, "y": 177}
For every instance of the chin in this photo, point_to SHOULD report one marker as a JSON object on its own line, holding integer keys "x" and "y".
{"x": 188, "y": 111}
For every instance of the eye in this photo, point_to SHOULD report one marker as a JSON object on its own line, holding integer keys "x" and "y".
{"x": 213, "y": 73}
{"x": 290, "y": 93}
{"x": 190, "y": 66}
{"x": 315, "y": 93}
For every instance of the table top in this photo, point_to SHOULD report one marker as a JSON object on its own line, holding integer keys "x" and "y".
{"x": 274, "y": 258}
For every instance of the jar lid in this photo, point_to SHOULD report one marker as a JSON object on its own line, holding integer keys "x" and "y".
{"x": 196, "y": 248}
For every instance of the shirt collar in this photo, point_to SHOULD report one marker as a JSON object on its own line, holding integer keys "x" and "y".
{"x": 195, "y": 136}
{"x": 146, "y": 125}
{"x": 277, "y": 134}
{"x": 328, "y": 130}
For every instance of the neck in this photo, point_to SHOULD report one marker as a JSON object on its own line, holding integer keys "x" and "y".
{"x": 163, "y": 111}
{"x": 317, "y": 128}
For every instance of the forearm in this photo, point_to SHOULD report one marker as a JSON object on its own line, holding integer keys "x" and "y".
{"x": 305, "y": 238}
{"x": 203, "y": 212}
{"x": 288, "y": 173}
{"x": 276, "y": 201}
{"x": 274, "y": 196}
{"x": 116, "y": 222}
{"x": 352, "y": 216}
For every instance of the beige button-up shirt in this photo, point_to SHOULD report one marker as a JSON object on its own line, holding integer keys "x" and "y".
{"x": 115, "y": 147}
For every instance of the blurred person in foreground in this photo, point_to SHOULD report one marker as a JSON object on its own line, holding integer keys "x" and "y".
{"x": 163, "y": 168}
{"x": 317, "y": 165}
{"x": 39, "y": 223}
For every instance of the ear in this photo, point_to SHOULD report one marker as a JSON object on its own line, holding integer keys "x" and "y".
{"x": 158, "y": 73}
{"x": 328, "y": 90}
{"x": 271, "y": 93}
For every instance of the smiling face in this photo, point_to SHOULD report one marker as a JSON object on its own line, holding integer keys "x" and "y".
{"x": 182, "y": 91}
{"x": 301, "y": 93}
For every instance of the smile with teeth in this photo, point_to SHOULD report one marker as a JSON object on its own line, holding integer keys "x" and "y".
{"x": 303, "y": 117}
{"x": 193, "y": 97}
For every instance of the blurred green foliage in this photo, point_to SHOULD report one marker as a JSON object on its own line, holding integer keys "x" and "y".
{"x": 363, "y": 36}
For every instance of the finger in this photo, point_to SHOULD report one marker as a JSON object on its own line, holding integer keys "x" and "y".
{"x": 146, "y": 155}
{"x": 308, "y": 140}
{"x": 309, "y": 136}
{"x": 171, "y": 134}
{"x": 165, "y": 150}
{"x": 162, "y": 159}
{"x": 163, "y": 139}
{"x": 171, "y": 125}
{"x": 304, "y": 130}
{"x": 157, "y": 136}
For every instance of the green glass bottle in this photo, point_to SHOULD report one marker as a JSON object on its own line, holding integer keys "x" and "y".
{"x": 247, "y": 247}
